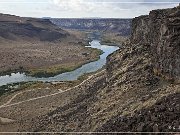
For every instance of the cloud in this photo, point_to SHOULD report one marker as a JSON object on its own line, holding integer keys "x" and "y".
{"x": 72, "y": 5}
{"x": 112, "y": 8}
{"x": 83, "y": 8}
{"x": 91, "y": 8}
{"x": 90, "y": 5}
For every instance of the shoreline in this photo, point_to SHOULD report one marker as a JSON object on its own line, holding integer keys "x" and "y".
{"x": 44, "y": 72}
{"x": 21, "y": 86}
{"x": 54, "y": 70}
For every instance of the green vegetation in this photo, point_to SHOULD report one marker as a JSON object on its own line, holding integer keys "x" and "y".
{"x": 10, "y": 88}
{"x": 9, "y": 71}
{"x": 52, "y": 71}
{"x": 6, "y": 89}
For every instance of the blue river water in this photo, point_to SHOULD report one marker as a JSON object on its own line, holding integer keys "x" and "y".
{"x": 68, "y": 76}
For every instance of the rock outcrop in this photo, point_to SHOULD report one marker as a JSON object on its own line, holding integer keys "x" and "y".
{"x": 138, "y": 91}
{"x": 161, "y": 31}
{"x": 147, "y": 66}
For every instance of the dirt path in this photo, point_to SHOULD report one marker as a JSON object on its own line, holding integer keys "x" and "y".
{"x": 5, "y": 120}
{"x": 10, "y": 100}
{"x": 32, "y": 99}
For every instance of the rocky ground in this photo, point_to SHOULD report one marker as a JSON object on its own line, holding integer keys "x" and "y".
{"x": 129, "y": 95}
{"x": 21, "y": 113}
{"x": 163, "y": 116}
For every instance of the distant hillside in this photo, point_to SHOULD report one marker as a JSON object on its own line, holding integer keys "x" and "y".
{"x": 121, "y": 26}
{"x": 14, "y": 28}
{"x": 40, "y": 48}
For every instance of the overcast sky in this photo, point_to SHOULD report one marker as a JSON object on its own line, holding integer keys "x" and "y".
{"x": 83, "y": 8}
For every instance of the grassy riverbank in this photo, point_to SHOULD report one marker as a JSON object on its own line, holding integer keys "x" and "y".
{"x": 62, "y": 68}
{"x": 8, "y": 89}
{"x": 87, "y": 55}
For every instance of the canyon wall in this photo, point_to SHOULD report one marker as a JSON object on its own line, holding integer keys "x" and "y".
{"x": 159, "y": 34}
{"x": 161, "y": 31}
{"x": 121, "y": 26}
{"x": 134, "y": 93}
{"x": 143, "y": 76}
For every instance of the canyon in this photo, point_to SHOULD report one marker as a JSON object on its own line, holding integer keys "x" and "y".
{"x": 120, "y": 26}
{"x": 138, "y": 91}
{"x": 113, "y": 31}
{"x": 40, "y": 48}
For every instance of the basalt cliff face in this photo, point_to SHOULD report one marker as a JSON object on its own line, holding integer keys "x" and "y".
{"x": 138, "y": 91}
{"x": 156, "y": 39}
{"x": 146, "y": 73}
{"x": 161, "y": 31}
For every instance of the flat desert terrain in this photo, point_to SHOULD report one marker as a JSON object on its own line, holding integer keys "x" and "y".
{"x": 44, "y": 56}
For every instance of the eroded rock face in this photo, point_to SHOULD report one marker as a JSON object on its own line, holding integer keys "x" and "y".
{"x": 161, "y": 30}
{"x": 167, "y": 60}
{"x": 145, "y": 66}
{"x": 128, "y": 95}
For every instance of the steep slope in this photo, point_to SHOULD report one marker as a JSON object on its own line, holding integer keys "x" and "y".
{"x": 132, "y": 97}
{"x": 14, "y": 28}
{"x": 128, "y": 96}
{"x": 161, "y": 31}
{"x": 147, "y": 70}
{"x": 112, "y": 31}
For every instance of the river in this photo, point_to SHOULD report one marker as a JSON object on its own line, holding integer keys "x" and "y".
{"x": 68, "y": 76}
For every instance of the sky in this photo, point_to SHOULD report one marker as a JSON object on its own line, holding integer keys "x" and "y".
{"x": 83, "y": 8}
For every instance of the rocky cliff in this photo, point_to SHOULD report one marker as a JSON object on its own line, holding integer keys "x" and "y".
{"x": 120, "y": 26}
{"x": 157, "y": 37}
{"x": 134, "y": 93}
{"x": 161, "y": 31}
{"x": 145, "y": 74}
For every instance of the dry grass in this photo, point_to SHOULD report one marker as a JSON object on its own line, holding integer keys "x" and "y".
{"x": 44, "y": 58}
